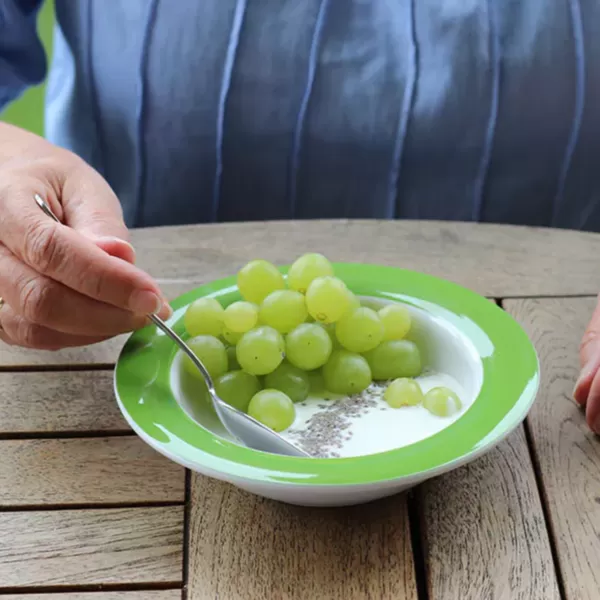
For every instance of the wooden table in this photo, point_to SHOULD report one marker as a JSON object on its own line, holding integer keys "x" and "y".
{"x": 88, "y": 511}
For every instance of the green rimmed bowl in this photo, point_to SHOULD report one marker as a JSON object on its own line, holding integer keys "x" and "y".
{"x": 459, "y": 332}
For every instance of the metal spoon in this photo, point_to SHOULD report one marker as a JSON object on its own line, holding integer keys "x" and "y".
{"x": 241, "y": 426}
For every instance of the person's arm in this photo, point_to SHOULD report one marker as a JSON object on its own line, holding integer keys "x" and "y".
{"x": 587, "y": 388}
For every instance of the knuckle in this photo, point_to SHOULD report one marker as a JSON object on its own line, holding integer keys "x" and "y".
{"x": 43, "y": 250}
{"x": 36, "y": 300}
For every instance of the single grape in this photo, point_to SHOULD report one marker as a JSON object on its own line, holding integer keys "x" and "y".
{"x": 327, "y": 299}
{"x": 204, "y": 317}
{"x": 211, "y": 352}
{"x": 442, "y": 402}
{"x": 307, "y": 268}
{"x": 261, "y": 350}
{"x": 316, "y": 382}
{"x": 396, "y": 321}
{"x": 403, "y": 392}
{"x": 308, "y": 346}
{"x": 233, "y": 364}
{"x": 347, "y": 373}
{"x": 290, "y": 380}
{"x": 231, "y": 337}
{"x": 273, "y": 409}
{"x": 240, "y": 316}
{"x": 394, "y": 358}
{"x": 237, "y": 388}
{"x": 283, "y": 310}
{"x": 360, "y": 330}
{"x": 258, "y": 279}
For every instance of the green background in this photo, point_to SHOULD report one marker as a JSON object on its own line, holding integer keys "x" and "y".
{"x": 28, "y": 110}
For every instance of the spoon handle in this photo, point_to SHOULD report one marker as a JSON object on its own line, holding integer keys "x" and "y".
{"x": 184, "y": 348}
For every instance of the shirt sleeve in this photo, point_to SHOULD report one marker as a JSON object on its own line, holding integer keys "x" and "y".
{"x": 22, "y": 56}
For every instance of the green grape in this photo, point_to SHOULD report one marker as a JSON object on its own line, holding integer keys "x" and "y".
{"x": 360, "y": 330}
{"x": 327, "y": 299}
{"x": 330, "y": 329}
{"x": 240, "y": 317}
{"x": 394, "y": 358}
{"x": 231, "y": 337}
{"x": 283, "y": 310}
{"x": 442, "y": 402}
{"x": 261, "y": 350}
{"x": 353, "y": 305}
{"x": 347, "y": 373}
{"x": 308, "y": 346}
{"x": 307, "y": 268}
{"x": 237, "y": 388}
{"x": 403, "y": 392}
{"x": 290, "y": 380}
{"x": 204, "y": 317}
{"x": 273, "y": 409}
{"x": 233, "y": 364}
{"x": 258, "y": 279}
{"x": 316, "y": 382}
{"x": 396, "y": 321}
{"x": 211, "y": 352}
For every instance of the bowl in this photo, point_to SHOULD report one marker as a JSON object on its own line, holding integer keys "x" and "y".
{"x": 467, "y": 340}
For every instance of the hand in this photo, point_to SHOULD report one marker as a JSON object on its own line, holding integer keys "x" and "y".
{"x": 587, "y": 388}
{"x": 64, "y": 285}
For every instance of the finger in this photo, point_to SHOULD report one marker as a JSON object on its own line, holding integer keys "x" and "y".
{"x": 91, "y": 207}
{"x": 589, "y": 358}
{"x": 117, "y": 248}
{"x": 592, "y": 409}
{"x": 46, "y": 302}
{"x": 16, "y": 330}
{"x": 70, "y": 258}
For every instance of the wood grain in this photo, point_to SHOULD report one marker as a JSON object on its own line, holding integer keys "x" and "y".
{"x": 69, "y": 401}
{"x": 243, "y": 547}
{"x": 567, "y": 452}
{"x": 86, "y": 471}
{"x": 518, "y": 261}
{"x": 145, "y": 595}
{"x": 484, "y": 532}
{"x": 91, "y": 547}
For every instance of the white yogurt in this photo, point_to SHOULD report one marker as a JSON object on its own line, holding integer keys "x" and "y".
{"x": 380, "y": 427}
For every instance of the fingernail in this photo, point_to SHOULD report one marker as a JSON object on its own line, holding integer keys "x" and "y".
{"x": 145, "y": 302}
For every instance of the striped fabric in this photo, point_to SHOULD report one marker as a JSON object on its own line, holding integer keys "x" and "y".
{"x": 219, "y": 110}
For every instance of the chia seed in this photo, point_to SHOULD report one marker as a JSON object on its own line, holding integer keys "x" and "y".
{"x": 326, "y": 431}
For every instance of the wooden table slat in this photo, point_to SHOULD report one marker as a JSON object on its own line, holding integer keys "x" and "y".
{"x": 54, "y": 402}
{"x": 484, "y": 531}
{"x": 244, "y": 547}
{"x": 112, "y": 470}
{"x": 144, "y": 595}
{"x": 568, "y": 453}
{"x": 91, "y": 547}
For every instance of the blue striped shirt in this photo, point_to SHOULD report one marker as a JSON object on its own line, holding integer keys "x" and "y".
{"x": 220, "y": 110}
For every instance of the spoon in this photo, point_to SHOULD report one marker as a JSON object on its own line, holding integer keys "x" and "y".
{"x": 241, "y": 426}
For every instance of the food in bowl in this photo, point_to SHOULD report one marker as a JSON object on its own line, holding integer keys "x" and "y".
{"x": 304, "y": 356}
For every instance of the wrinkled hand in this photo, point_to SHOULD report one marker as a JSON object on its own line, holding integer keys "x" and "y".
{"x": 587, "y": 388}
{"x": 64, "y": 285}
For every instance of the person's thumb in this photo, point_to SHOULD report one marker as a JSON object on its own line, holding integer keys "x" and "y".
{"x": 589, "y": 357}
{"x": 92, "y": 209}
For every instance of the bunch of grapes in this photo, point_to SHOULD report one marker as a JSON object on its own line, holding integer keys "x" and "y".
{"x": 269, "y": 350}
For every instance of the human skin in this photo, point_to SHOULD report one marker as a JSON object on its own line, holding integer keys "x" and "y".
{"x": 70, "y": 284}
